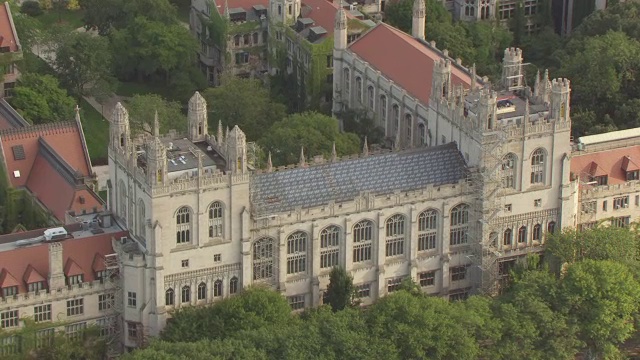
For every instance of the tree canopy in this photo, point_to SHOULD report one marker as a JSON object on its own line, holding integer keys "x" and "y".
{"x": 142, "y": 110}
{"x": 340, "y": 289}
{"x": 39, "y": 99}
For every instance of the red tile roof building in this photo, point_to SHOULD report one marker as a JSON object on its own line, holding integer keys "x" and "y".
{"x": 51, "y": 161}
{"x": 9, "y": 46}
{"x": 62, "y": 281}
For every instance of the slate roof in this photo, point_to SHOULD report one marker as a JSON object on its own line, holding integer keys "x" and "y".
{"x": 344, "y": 180}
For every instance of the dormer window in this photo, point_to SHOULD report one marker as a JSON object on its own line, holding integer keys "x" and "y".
{"x": 36, "y": 286}
{"x": 633, "y": 175}
{"x": 601, "y": 180}
{"x": 9, "y": 291}
{"x": 75, "y": 279}
{"x": 101, "y": 275}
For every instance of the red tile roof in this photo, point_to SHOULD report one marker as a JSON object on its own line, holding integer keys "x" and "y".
{"x": 98, "y": 263}
{"x": 404, "y": 60}
{"x": 8, "y": 36}
{"x": 32, "y": 276}
{"x": 247, "y": 5}
{"x": 72, "y": 269}
{"x": 80, "y": 251}
{"x": 322, "y": 12}
{"x": 610, "y": 162}
{"x": 7, "y": 280}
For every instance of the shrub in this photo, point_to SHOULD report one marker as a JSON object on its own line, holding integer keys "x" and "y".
{"x": 31, "y": 8}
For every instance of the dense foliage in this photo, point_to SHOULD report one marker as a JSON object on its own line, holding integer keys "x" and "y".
{"x": 39, "y": 99}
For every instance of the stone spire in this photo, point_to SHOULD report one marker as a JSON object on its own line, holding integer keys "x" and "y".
{"x": 340, "y": 29}
{"x": 226, "y": 9}
{"x": 197, "y": 118}
{"x": 536, "y": 86}
{"x": 545, "y": 86}
{"x": 226, "y": 135}
{"x": 156, "y": 125}
{"x": 365, "y": 147}
{"x": 334, "y": 154}
{"x": 77, "y": 110}
{"x": 473, "y": 77}
{"x": 303, "y": 162}
{"x": 419, "y": 17}
{"x": 269, "y": 164}
{"x": 220, "y": 139}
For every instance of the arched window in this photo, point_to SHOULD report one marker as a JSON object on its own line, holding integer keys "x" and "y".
{"x": 408, "y": 119}
{"x": 484, "y": 10}
{"x": 202, "y": 291}
{"x": 396, "y": 118}
{"x": 255, "y": 38}
{"x": 245, "y": 39}
{"x": 362, "y": 240}
{"x": 427, "y": 230}
{"x": 329, "y": 247}
{"x": 371, "y": 97}
{"x": 509, "y": 162}
{"x": 169, "y": 297}
{"x": 459, "y": 225}
{"x": 537, "y": 232}
{"x": 216, "y": 220}
{"x": 132, "y": 211}
{"x": 297, "y": 253}
{"x": 186, "y": 294}
{"x": 359, "y": 89}
{"x": 122, "y": 203}
{"x": 422, "y": 132}
{"x": 507, "y": 239}
{"x": 233, "y": 285}
{"x": 551, "y": 227}
{"x": 263, "y": 259}
{"x": 236, "y": 40}
{"x": 217, "y": 288}
{"x": 347, "y": 84}
{"x": 469, "y": 8}
{"x": 537, "y": 166}
{"x": 522, "y": 234}
{"x": 183, "y": 225}
{"x": 383, "y": 110}
{"x": 142, "y": 221}
{"x": 395, "y": 235}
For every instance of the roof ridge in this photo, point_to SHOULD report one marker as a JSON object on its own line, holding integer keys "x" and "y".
{"x": 59, "y": 164}
{"x": 12, "y": 115}
{"x": 39, "y": 130}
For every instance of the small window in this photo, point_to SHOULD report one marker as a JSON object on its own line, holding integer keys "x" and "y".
{"x": 296, "y": 302}
{"x": 185, "y": 263}
{"x": 427, "y": 278}
{"x": 42, "y": 313}
{"x": 633, "y": 175}
{"x": 132, "y": 330}
{"x": 620, "y": 202}
{"x": 363, "y": 291}
{"x": 393, "y": 284}
{"x": 105, "y": 301}
{"x": 131, "y": 299}
{"x": 217, "y": 257}
{"x": 75, "y": 307}
{"x": 537, "y": 202}
{"x": 458, "y": 273}
{"x": 604, "y": 205}
{"x": 507, "y": 208}
{"x": 18, "y": 152}
{"x": 9, "y": 319}
{"x": 602, "y": 180}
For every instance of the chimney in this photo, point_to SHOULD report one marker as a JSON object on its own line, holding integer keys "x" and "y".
{"x": 56, "y": 266}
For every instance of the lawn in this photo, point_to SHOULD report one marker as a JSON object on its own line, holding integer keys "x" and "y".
{"x": 72, "y": 18}
{"x": 129, "y": 89}
{"x": 96, "y": 132}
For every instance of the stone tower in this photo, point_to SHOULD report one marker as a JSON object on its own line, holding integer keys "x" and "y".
{"x": 419, "y": 18}
{"x": 339, "y": 45}
{"x": 284, "y": 11}
{"x": 119, "y": 129}
{"x": 236, "y": 151}
{"x": 340, "y": 30}
{"x": 512, "y": 69}
{"x": 197, "y": 117}
{"x": 441, "y": 83}
{"x": 156, "y": 157}
{"x": 487, "y": 110}
{"x": 560, "y": 96}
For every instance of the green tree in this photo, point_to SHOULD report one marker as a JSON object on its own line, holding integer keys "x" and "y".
{"x": 602, "y": 298}
{"x": 340, "y": 290}
{"x": 201, "y": 350}
{"x": 106, "y": 15}
{"x": 243, "y": 102}
{"x": 83, "y": 64}
{"x": 39, "y": 99}
{"x": 315, "y": 132}
{"x": 358, "y": 122}
{"x": 600, "y": 243}
{"x": 142, "y": 110}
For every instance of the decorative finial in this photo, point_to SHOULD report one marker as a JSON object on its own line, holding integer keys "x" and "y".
{"x": 269, "y": 164}
{"x": 334, "y": 154}
{"x": 303, "y": 162}
{"x": 226, "y": 134}
{"x": 365, "y": 148}
{"x": 473, "y": 76}
{"x": 220, "y": 139}
{"x": 156, "y": 125}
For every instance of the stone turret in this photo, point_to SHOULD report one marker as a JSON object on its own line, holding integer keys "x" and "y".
{"x": 340, "y": 29}
{"x": 119, "y": 129}
{"x": 441, "y": 83}
{"x": 236, "y": 145}
{"x": 419, "y": 18}
{"x": 156, "y": 157}
{"x": 487, "y": 110}
{"x": 512, "y": 76}
{"x": 197, "y": 118}
{"x": 560, "y": 99}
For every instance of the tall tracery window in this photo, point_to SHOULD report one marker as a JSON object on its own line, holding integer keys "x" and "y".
{"x": 142, "y": 221}
{"x": 131, "y": 203}
{"x": 371, "y": 97}
{"x": 169, "y": 297}
{"x": 396, "y": 118}
{"x": 297, "y": 253}
{"x": 484, "y": 10}
{"x": 216, "y": 220}
{"x": 522, "y": 234}
{"x": 186, "y": 294}
{"x": 233, "y": 285}
{"x": 362, "y": 241}
{"x": 217, "y": 288}
{"x": 422, "y": 132}
{"x": 347, "y": 84}
{"x": 537, "y": 232}
{"x": 183, "y": 225}
{"x": 459, "y": 225}
{"x": 537, "y": 166}
{"x": 408, "y": 119}
{"x": 359, "y": 89}
{"x": 508, "y": 171}
{"x": 329, "y": 247}
{"x": 427, "y": 230}
{"x": 395, "y": 235}
{"x": 469, "y": 8}
{"x": 507, "y": 239}
{"x": 122, "y": 204}
{"x": 551, "y": 227}
{"x": 202, "y": 291}
{"x": 263, "y": 259}
{"x": 383, "y": 110}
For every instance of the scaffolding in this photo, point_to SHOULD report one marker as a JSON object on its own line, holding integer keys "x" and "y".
{"x": 488, "y": 187}
{"x": 114, "y": 323}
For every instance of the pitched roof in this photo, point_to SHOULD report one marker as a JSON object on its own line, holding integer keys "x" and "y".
{"x": 341, "y": 181}
{"x": 8, "y": 34}
{"x": 63, "y": 137}
{"x": 405, "y": 60}
{"x": 609, "y": 162}
{"x": 80, "y": 251}
{"x": 9, "y": 118}
{"x": 322, "y": 12}
{"x": 7, "y": 280}
{"x": 246, "y": 5}
{"x": 98, "y": 263}
{"x": 72, "y": 269}
{"x": 31, "y": 276}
